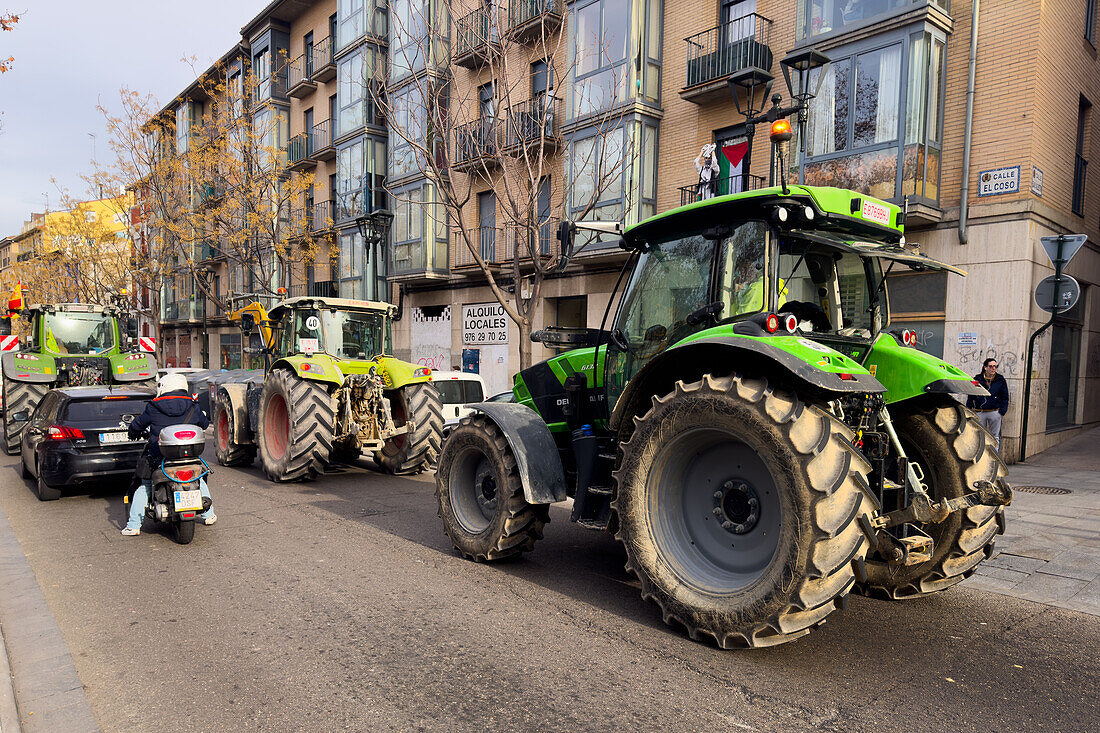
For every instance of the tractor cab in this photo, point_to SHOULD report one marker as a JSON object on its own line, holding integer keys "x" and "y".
{"x": 73, "y": 329}
{"x": 341, "y": 328}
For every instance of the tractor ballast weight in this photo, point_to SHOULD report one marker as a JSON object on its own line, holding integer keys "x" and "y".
{"x": 68, "y": 344}
{"x": 748, "y": 426}
{"x": 330, "y": 393}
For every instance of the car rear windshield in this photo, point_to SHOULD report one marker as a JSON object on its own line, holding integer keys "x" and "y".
{"x": 459, "y": 391}
{"x": 103, "y": 412}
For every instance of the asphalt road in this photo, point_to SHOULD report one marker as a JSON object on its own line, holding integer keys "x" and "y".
{"x": 339, "y": 605}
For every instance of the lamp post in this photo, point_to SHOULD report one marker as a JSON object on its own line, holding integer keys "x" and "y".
{"x": 374, "y": 228}
{"x": 802, "y": 63}
{"x": 204, "y": 275}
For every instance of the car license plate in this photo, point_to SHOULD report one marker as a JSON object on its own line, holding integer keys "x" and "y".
{"x": 188, "y": 500}
{"x": 114, "y": 438}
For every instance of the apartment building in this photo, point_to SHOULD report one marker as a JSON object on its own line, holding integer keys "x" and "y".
{"x": 381, "y": 99}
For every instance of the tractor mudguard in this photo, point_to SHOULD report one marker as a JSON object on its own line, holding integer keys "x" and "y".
{"x": 236, "y": 394}
{"x": 133, "y": 367}
{"x": 536, "y": 453}
{"x": 396, "y": 373}
{"x": 315, "y": 368}
{"x": 908, "y": 372}
{"x": 29, "y": 367}
{"x": 691, "y": 359}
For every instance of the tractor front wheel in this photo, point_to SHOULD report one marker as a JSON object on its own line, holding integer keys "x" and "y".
{"x": 480, "y": 495}
{"x": 953, "y": 452}
{"x": 420, "y": 407}
{"x": 295, "y": 427}
{"x": 737, "y": 505}
{"x": 19, "y": 396}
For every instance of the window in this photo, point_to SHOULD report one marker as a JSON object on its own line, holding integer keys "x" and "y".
{"x": 1080, "y": 164}
{"x": 269, "y": 129}
{"x": 185, "y": 121}
{"x": 409, "y": 115}
{"x": 353, "y": 91}
{"x": 487, "y": 226}
{"x": 408, "y": 216}
{"x": 918, "y": 301}
{"x": 409, "y": 40}
{"x": 261, "y": 73}
{"x": 878, "y": 118}
{"x": 360, "y": 167}
{"x": 1090, "y": 21}
{"x": 361, "y": 275}
{"x": 307, "y": 54}
{"x": 602, "y": 44}
{"x": 598, "y": 167}
{"x": 356, "y": 18}
{"x": 821, "y": 17}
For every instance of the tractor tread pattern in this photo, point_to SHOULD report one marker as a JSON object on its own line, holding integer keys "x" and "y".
{"x": 420, "y": 449}
{"x": 836, "y": 474}
{"x": 975, "y": 451}
{"x": 234, "y": 454}
{"x": 312, "y": 419}
{"x": 20, "y": 396}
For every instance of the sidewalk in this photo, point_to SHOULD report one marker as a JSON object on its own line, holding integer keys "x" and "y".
{"x": 1050, "y": 552}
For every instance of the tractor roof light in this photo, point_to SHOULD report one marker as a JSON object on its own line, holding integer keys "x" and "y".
{"x": 781, "y": 131}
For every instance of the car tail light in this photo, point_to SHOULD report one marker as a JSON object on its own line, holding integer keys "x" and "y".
{"x": 791, "y": 323}
{"x": 771, "y": 323}
{"x": 185, "y": 434}
{"x": 63, "y": 432}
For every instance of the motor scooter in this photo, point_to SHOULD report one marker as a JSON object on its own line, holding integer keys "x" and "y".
{"x": 175, "y": 497}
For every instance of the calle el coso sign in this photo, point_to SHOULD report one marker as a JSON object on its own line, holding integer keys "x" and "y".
{"x": 484, "y": 324}
{"x": 998, "y": 181}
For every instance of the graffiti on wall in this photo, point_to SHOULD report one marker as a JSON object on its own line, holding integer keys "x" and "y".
{"x": 430, "y": 333}
{"x": 1011, "y": 360}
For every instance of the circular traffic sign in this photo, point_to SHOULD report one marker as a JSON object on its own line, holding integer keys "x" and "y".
{"x": 1068, "y": 292}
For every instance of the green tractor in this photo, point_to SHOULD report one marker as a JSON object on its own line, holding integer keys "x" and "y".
{"x": 69, "y": 344}
{"x": 748, "y": 426}
{"x": 329, "y": 394}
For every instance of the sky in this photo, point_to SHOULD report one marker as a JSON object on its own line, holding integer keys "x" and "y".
{"x": 71, "y": 55}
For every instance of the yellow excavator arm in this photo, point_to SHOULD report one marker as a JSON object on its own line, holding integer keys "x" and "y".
{"x": 259, "y": 317}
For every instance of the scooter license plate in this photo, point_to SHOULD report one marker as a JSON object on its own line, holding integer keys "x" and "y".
{"x": 187, "y": 500}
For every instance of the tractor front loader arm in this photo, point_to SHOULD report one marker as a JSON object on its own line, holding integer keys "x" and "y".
{"x": 258, "y": 314}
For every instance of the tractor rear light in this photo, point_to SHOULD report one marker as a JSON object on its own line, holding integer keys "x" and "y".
{"x": 790, "y": 323}
{"x": 63, "y": 432}
{"x": 422, "y": 372}
{"x": 847, "y": 377}
{"x": 908, "y": 337}
{"x": 771, "y": 324}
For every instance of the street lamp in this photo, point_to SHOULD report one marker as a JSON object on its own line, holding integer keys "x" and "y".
{"x": 374, "y": 228}
{"x": 800, "y": 63}
{"x": 205, "y": 275}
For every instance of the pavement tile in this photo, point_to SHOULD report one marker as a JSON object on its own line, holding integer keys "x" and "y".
{"x": 1087, "y": 599}
{"x": 1075, "y": 564}
{"x": 1020, "y": 564}
{"x": 66, "y": 711}
{"x": 33, "y": 685}
{"x": 983, "y": 581}
{"x": 1050, "y": 588}
{"x": 1009, "y": 576}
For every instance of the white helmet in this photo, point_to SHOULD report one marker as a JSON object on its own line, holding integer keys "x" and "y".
{"x": 171, "y": 382}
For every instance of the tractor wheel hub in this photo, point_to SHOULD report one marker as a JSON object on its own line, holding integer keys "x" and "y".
{"x": 737, "y": 506}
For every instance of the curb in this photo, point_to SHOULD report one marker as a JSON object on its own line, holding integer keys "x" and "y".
{"x": 9, "y": 713}
{"x": 48, "y": 693}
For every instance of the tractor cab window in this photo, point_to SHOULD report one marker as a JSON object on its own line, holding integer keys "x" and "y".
{"x": 78, "y": 333}
{"x": 352, "y": 335}
{"x": 830, "y": 290}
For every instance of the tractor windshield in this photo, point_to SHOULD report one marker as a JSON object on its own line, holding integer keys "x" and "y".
{"x": 78, "y": 333}
{"x": 352, "y": 335}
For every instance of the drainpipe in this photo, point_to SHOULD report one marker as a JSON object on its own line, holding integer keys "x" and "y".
{"x": 964, "y": 194}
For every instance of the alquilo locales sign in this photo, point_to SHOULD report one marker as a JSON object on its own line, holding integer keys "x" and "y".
{"x": 484, "y": 324}
{"x": 998, "y": 181}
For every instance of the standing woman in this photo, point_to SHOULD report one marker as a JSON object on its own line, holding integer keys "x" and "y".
{"x": 992, "y": 408}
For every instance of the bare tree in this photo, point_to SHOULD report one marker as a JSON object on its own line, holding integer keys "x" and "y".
{"x": 490, "y": 135}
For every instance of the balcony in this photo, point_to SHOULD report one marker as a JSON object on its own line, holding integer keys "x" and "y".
{"x": 300, "y": 223}
{"x": 206, "y": 251}
{"x": 539, "y": 240}
{"x": 423, "y": 261}
{"x": 323, "y": 219}
{"x": 320, "y": 289}
{"x": 475, "y": 38}
{"x": 324, "y": 65}
{"x": 210, "y": 193}
{"x": 533, "y": 123}
{"x": 320, "y": 144}
{"x": 351, "y": 205}
{"x": 184, "y": 310}
{"x": 530, "y": 20}
{"x": 1080, "y": 165}
{"x": 477, "y": 146}
{"x": 490, "y": 245}
{"x": 714, "y": 55}
{"x": 299, "y": 83}
{"x": 731, "y": 184}
{"x": 298, "y": 152}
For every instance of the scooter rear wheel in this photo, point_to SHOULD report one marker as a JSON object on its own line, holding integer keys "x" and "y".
{"x": 185, "y": 531}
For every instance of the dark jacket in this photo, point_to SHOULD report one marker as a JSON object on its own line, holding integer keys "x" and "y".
{"x": 171, "y": 408}
{"x": 998, "y": 395}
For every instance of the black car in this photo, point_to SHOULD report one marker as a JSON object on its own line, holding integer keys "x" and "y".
{"x": 79, "y": 434}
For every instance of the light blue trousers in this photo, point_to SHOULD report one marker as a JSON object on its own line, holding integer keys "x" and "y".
{"x": 141, "y": 500}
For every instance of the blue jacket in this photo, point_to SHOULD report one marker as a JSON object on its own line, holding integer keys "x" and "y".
{"x": 171, "y": 408}
{"x": 998, "y": 395}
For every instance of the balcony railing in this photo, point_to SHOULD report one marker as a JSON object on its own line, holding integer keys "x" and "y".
{"x": 476, "y": 144}
{"x": 475, "y": 34}
{"x": 730, "y": 184}
{"x": 301, "y": 220}
{"x": 1080, "y": 166}
{"x": 299, "y": 152}
{"x": 533, "y": 122}
{"x": 319, "y": 289}
{"x": 533, "y": 18}
{"x": 540, "y": 239}
{"x": 320, "y": 144}
{"x": 489, "y": 245}
{"x": 299, "y": 83}
{"x": 323, "y": 218}
{"x": 184, "y": 310}
{"x": 323, "y": 65}
{"x": 715, "y": 54}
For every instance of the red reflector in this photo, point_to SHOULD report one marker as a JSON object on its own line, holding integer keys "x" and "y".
{"x": 847, "y": 377}
{"x": 22, "y": 375}
{"x": 791, "y": 324}
{"x": 771, "y": 324}
{"x": 975, "y": 382}
{"x": 116, "y": 397}
{"x": 184, "y": 434}
{"x": 185, "y": 474}
{"x": 188, "y": 515}
{"x": 427, "y": 372}
{"x": 305, "y": 367}
{"x": 143, "y": 374}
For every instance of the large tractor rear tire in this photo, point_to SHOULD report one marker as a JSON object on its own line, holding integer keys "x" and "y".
{"x": 19, "y": 396}
{"x": 737, "y": 505}
{"x": 227, "y": 450}
{"x": 417, "y": 450}
{"x": 953, "y": 451}
{"x": 295, "y": 427}
{"x": 480, "y": 495}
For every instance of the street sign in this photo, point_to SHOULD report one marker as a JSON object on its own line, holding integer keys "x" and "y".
{"x": 1070, "y": 244}
{"x": 1066, "y": 297}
